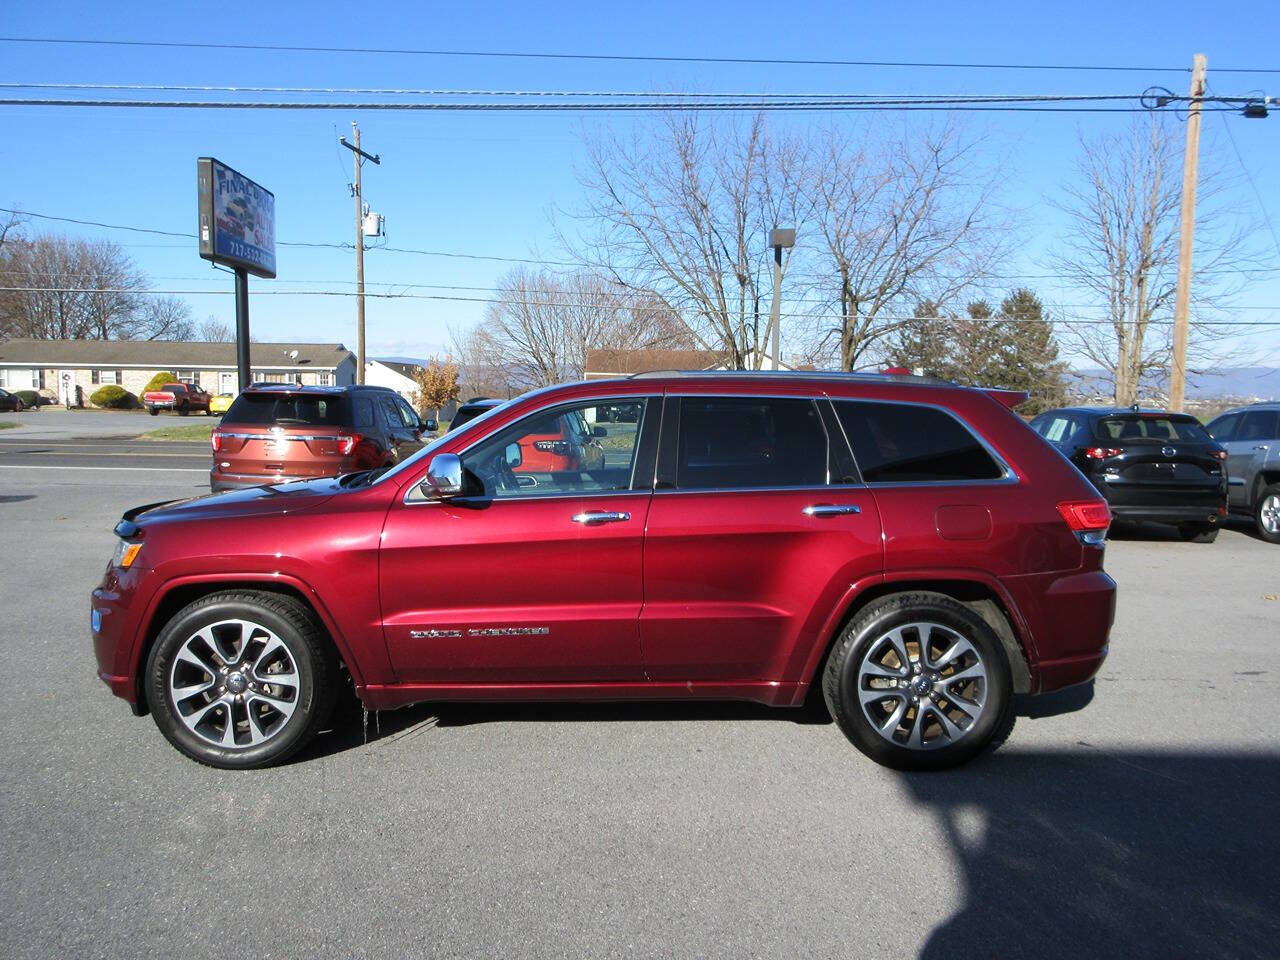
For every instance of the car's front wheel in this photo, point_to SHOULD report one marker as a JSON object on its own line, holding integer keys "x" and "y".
{"x": 240, "y": 679}
{"x": 1266, "y": 513}
{"x": 918, "y": 681}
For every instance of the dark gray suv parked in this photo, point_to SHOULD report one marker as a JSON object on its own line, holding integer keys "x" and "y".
{"x": 1251, "y": 436}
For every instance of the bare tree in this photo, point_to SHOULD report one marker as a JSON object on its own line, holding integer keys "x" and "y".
{"x": 1121, "y": 250}
{"x": 68, "y": 289}
{"x": 540, "y": 326}
{"x": 213, "y": 330}
{"x": 901, "y": 220}
{"x": 683, "y": 211}
{"x": 163, "y": 318}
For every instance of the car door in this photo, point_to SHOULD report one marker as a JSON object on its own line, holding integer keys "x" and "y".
{"x": 522, "y": 582}
{"x": 1254, "y": 440}
{"x": 401, "y": 438}
{"x": 756, "y": 532}
{"x": 1224, "y": 430}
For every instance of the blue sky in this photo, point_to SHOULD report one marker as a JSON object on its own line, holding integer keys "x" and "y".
{"x": 491, "y": 183}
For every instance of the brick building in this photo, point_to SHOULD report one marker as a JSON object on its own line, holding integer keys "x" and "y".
{"x": 55, "y": 366}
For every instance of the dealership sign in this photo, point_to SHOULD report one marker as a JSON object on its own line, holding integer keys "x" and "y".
{"x": 237, "y": 219}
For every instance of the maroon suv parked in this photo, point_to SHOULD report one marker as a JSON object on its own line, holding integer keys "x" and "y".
{"x": 909, "y": 547}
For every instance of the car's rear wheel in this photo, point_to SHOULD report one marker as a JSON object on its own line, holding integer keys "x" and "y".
{"x": 153, "y": 411}
{"x": 1266, "y": 513}
{"x": 183, "y": 410}
{"x": 918, "y": 681}
{"x": 1198, "y": 532}
{"x": 240, "y": 679}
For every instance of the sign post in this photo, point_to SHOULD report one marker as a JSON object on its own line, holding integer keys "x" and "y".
{"x": 237, "y": 230}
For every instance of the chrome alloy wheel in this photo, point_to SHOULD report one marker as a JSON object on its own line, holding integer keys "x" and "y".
{"x": 234, "y": 684}
{"x": 1269, "y": 514}
{"x": 922, "y": 686}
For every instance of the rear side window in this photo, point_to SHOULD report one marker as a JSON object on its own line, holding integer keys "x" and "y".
{"x": 1259, "y": 425}
{"x": 744, "y": 442}
{"x": 1057, "y": 428}
{"x": 362, "y": 407}
{"x": 1151, "y": 428}
{"x": 908, "y": 443}
{"x": 288, "y": 410}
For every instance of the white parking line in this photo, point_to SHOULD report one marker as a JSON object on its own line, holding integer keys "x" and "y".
{"x": 7, "y": 466}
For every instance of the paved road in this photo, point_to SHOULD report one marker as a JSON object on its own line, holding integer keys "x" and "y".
{"x": 100, "y": 454}
{"x": 56, "y": 422}
{"x": 1142, "y": 825}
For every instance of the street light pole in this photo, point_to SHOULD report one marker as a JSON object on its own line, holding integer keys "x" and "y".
{"x": 778, "y": 238}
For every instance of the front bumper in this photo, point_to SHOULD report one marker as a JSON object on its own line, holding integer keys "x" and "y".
{"x": 115, "y": 611}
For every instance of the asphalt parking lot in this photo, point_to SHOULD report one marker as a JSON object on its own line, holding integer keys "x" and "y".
{"x": 1135, "y": 818}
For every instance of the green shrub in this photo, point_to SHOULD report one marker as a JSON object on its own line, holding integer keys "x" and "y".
{"x": 29, "y": 398}
{"x": 159, "y": 380}
{"x": 114, "y": 397}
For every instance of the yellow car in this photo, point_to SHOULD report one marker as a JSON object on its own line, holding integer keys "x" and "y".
{"x": 221, "y": 403}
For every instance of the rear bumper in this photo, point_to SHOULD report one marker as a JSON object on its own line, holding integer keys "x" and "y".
{"x": 1069, "y": 621}
{"x": 1167, "y": 514}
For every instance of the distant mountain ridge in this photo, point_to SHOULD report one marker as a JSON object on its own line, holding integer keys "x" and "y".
{"x": 1245, "y": 383}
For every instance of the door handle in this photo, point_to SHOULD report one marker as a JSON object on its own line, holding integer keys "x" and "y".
{"x": 595, "y": 517}
{"x": 1262, "y": 446}
{"x": 831, "y": 509}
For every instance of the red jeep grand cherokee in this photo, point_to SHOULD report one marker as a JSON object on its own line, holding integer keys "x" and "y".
{"x": 909, "y": 546}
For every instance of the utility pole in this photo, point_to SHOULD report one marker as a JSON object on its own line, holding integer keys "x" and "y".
{"x": 359, "y": 155}
{"x": 1190, "y": 175}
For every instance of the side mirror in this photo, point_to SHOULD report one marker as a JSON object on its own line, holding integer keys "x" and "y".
{"x": 599, "y": 432}
{"x": 444, "y": 477}
{"x": 513, "y": 455}
{"x": 430, "y": 425}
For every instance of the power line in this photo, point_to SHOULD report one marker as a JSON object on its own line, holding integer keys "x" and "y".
{"x": 1249, "y": 177}
{"x": 551, "y": 303}
{"x": 453, "y": 254}
{"x": 626, "y": 58}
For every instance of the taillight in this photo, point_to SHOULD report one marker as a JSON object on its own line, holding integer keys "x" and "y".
{"x": 1088, "y": 519}
{"x": 215, "y": 440}
{"x": 558, "y": 447}
{"x": 1101, "y": 453}
{"x": 348, "y": 442}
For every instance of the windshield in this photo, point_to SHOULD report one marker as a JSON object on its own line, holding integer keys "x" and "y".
{"x": 1155, "y": 428}
{"x": 427, "y": 452}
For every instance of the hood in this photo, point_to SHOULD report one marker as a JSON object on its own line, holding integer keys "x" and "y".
{"x": 271, "y": 500}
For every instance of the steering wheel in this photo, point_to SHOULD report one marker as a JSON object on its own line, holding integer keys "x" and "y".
{"x": 496, "y": 472}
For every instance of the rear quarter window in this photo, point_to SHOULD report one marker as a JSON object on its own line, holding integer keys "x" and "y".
{"x": 909, "y": 443}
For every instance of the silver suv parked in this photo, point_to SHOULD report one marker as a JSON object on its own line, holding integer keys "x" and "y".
{"x": 1252, "y": 437}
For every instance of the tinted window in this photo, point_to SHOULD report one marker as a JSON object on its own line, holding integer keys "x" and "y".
{"x": 407, "y": 416}
{"x": 1057, "y": 428}
{"x": 750, "y": 442}
{"x": 557, "y": 452}
{"x": 363, "y": 409}
{"x": 906, "y": 443}
{"x": 287, "y": 409}
{"x": 1259, "y": 425}
{"x": 1151, "y": 428}
{"x": 1224, "y": 428}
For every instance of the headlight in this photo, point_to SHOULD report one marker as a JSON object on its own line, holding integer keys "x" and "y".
{"x": 126, "y": 553}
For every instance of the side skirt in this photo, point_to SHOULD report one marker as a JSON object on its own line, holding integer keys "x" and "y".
{"x": 390, "y": 696}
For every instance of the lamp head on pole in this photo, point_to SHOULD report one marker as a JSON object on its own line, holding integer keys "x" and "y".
{"x": 782, "y": 237}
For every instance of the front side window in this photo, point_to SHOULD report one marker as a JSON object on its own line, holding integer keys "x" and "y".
{"x": 1059, "y": 429}
{"x": 910, "y": 443}
{"x": 1224, "y": 428}
{"x": 746, "y": 442}
{"x": 559, "y": 452}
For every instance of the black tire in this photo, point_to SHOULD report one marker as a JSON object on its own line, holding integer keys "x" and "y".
{"x": 306, "y": 647}
{"x": 153, "y": 411}
{"x": 1265, "y": 502}
{"x": 1198, "y": 532}
{"x": 865, "y": 633}
{"x": 183, "y": 410}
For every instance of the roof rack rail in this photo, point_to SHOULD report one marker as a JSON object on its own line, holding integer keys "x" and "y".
{"x": 797, "y": 375}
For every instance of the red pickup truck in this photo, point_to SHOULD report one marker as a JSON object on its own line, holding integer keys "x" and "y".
{"x": 181, "y": 397}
